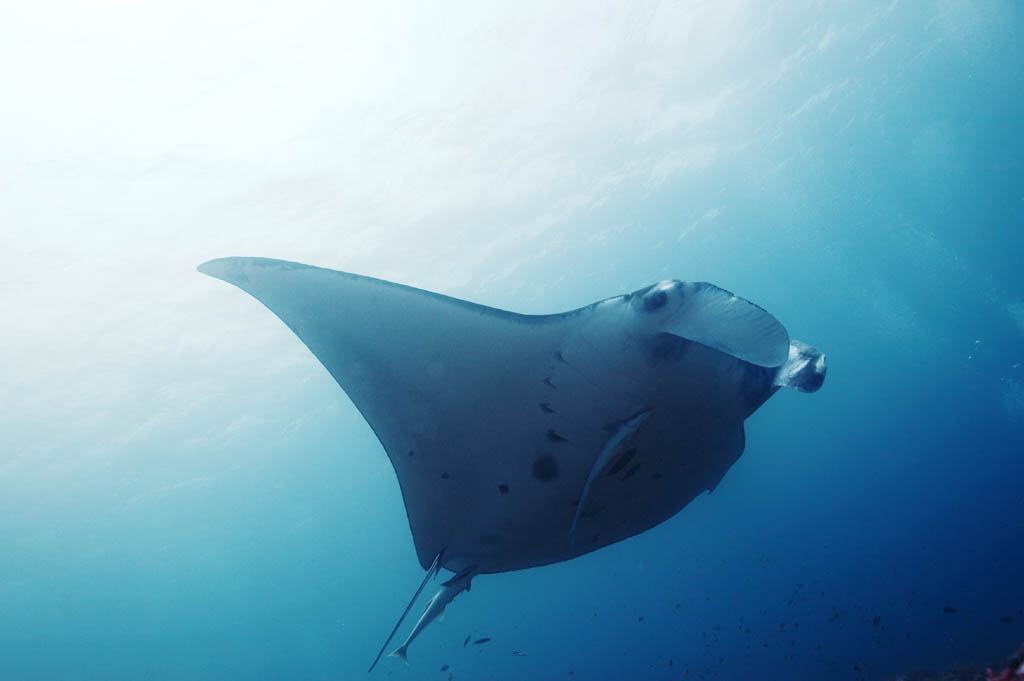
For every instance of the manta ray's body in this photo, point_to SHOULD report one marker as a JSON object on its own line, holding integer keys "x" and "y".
{"x": 521, "y": 440}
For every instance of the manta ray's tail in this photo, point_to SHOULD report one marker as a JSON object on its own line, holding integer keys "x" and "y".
{"x": 401, "y": 653}
{"x": 804, "y": 370}
{"x": 435, "y": 567}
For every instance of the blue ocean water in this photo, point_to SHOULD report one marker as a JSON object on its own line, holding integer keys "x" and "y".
{"x": 186, "y": 494}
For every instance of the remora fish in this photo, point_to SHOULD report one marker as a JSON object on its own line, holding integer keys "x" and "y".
{"x": 435, "y": 607}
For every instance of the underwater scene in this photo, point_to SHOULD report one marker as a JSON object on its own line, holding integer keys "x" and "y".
{"x": 606, "y": 340}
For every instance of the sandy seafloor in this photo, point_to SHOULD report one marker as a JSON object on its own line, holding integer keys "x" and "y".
{"x": 186, "y": 494}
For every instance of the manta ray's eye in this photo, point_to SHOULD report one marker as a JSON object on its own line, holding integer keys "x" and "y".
{"x": 655, "y": 300}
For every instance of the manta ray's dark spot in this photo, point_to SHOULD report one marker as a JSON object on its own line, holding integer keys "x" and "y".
{"x": 656, "y": 476}
{"x": 411, "y": 452}
{"x": 668, "y": 347}
{"x": 630, "y": 473}
{"x": 503, "y": 488}
{"x": 626, "y": 457}
{"x": 445, "y": 476}
{"x": 654, "y": 301}
{"x": 591, "y": 514}
{"x": 546, "y": 408}
{"x": 555, "y": 437}
{"x": 488, "y": 539}
{"x": 545, "y": 468}
{"x": 595, "y": 537}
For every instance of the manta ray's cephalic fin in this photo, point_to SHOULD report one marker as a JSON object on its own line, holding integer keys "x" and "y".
{"x": 804, "y": 370}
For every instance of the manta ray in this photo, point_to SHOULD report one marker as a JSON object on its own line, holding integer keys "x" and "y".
{"x": 523, "y": 440}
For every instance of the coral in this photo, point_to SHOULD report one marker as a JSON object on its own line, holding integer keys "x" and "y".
{"x": 1014, "y": 669}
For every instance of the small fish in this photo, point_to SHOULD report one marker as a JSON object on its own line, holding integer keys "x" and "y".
{"x": 949, "y": 609}
{"x": 466, "y": 641}
{"x": 444, "y": 668}
{"x": 1006, "y": 619}
{"x": 518, "y": 653}
{"x": 875, "y": 622}
{"x": 481, "y": 640}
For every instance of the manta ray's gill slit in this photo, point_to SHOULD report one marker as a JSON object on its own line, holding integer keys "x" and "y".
{"x": 546, "y": 408}
{"x": 560, "y": 357}
{"x": 503, "y": 488}
{"x": 547, "y": 382}
{"x": 555, "y": 437}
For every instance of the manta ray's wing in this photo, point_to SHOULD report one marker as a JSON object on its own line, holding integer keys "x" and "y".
{"x": 439, "y": 380}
